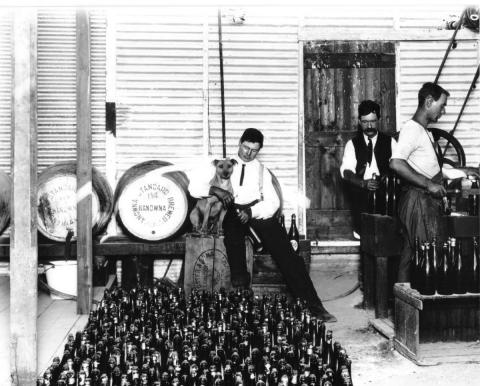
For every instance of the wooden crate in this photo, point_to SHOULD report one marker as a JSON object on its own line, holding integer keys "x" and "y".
{"x": 436, "y": 329}
{"x": 206, "y": 263}
{"x": 267, "y": 278}
{"x": 381, "y": 244}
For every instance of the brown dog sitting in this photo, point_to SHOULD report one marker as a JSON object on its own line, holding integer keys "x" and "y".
{"x": 210, "y": 210}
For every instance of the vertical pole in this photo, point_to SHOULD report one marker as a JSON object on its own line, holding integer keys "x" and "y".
{"x": 84, "y": 166}
{"x": 222, "y": 89}
{"x": 23, "y": 239}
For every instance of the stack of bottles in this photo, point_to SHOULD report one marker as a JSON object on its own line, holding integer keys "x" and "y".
{"x": 158, "y": 336}
{"x": 384, "y": 200}
{"x": 445, "y": 268}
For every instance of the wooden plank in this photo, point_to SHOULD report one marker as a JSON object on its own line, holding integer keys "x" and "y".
{"x": 84, "y": 165}
{"x": 23, "y": 247}
{"x": 113, "y": 246}
{"x": 404, "y": 292}
{"x": 384, "y": 326}
{"x": 381, "y": 287}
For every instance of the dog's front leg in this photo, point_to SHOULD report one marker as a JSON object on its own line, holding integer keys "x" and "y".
{"x": 223, "y": 212}
{"x": 206, "y": 215}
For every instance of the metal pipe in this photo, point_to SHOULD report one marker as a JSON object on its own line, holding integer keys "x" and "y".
{"x": 222, "y": 89}
{"x": 450, "y": 45}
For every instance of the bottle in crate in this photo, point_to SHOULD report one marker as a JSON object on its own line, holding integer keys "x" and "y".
{"x": 459, "y": 269}
{"x": 445, "y": 272}
{"x": 428, "y": 274}
{"x": 473, "y": 271}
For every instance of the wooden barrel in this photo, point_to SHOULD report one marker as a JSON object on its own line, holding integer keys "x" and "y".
{"x": 151, "y": 205}
{"x": 57, "y": 201}
{"x": 5, "y": 194}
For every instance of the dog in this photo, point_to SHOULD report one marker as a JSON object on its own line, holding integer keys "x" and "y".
{"x": 209, "y": 212}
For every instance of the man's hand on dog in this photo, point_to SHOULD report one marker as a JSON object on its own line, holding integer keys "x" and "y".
{"x": 223, "y": 195}
{"x": 245, "y": 215}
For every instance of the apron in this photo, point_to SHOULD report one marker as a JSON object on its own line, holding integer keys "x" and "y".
{"x": 420, "y": 215}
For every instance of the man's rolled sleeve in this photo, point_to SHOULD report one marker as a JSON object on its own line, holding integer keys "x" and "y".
{"x": 349, "y": 161}
{"x": 200, "y": 177}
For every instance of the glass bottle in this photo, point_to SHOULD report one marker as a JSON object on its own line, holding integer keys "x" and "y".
{"x": 293, "y": 235}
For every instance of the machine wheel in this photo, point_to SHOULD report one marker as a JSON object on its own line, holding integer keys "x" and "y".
{"x": 455, "y": 155}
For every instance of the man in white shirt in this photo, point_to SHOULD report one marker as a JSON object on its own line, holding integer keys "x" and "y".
{"x": 254, "y": 203}
{"x": 415, "y": 159}
{"x": 368, "y": 153}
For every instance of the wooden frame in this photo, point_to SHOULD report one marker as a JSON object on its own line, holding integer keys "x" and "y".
{"x": 23, "y": 239}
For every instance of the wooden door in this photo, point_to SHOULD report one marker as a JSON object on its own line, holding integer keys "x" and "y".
{"x": 338, "y": 75}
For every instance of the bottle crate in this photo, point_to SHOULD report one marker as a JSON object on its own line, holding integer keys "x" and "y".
{"x": 434, "y": 329}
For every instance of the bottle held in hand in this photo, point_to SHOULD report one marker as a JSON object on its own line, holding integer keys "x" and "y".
{"x": 293, "y": 235}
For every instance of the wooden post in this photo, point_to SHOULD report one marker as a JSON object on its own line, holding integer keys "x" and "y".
{"x": 23, "y": 238}
{"x": 84, "y": 166}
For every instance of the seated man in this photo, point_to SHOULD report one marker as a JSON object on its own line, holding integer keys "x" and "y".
{"x": 368, "y": 153}
{"x": 254, "y": 203}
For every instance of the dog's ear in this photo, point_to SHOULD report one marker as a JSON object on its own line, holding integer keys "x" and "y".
{"x": 215, "y": 162}
{"x": 234, "y": 161}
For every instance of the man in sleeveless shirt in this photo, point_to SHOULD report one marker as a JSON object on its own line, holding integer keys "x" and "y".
{"x": 368, "y": 153}
{"x": 254, "y": 203}
{"x": 416, "y": 160}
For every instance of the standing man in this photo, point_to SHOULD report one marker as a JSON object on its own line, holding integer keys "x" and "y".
{"x": 416, "y": 160}
{"x": 368, "y": 153}
{"x": 254, "y": 204}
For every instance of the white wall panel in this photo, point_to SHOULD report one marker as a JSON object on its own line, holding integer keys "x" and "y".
{"x": 159, "y": 76}
{"x": 5, "y": 89}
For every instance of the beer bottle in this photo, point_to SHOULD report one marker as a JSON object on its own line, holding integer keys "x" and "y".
{"x": 473, "y": 198}
{"x": 387, "y": 195}
{"x": 444, "y": 272}
{"x": 474, "y": 271}
{"x": 428, "y": 273}
{"x": 293, "y": 235}
{"x": 372, "y": 197}
{"x": 282, "y": 223}
{"x": 415, "y": 264}
{"x": 460, "y": 287}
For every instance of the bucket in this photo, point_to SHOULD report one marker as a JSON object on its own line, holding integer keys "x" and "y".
{"x": 5, "y": 194}
{"x": 62, "y": 276}
{"x": 57, "y": 201}
{"x": 150, "y": 205}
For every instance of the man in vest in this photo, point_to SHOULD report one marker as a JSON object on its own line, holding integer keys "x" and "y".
{"x": 254, "y": 203}
{"x": 366, "y": 155}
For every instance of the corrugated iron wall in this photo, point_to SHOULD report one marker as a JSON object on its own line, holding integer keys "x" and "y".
{"x": 159, "y": 77}
{"x": 418, "y": 63}
{"x": 5, "y": 89}
{"x": 57, "y": 87}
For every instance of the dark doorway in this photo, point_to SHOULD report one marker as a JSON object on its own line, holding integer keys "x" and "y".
{"x": 338, "y": 75}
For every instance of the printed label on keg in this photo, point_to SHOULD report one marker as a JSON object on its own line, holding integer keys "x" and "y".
{"x": 57, "y": 206}
{"x": 153, "y": 207}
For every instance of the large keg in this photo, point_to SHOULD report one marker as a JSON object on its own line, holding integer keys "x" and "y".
{"x": 152, "y": 205}
{"x": 5, "y": 195}
{"x": 57, "y": 201}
